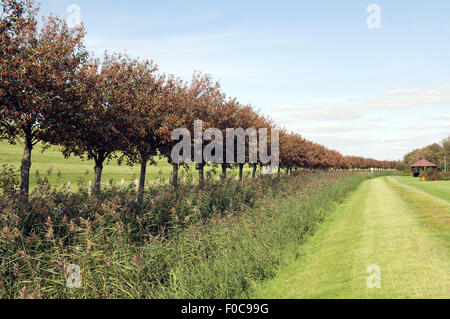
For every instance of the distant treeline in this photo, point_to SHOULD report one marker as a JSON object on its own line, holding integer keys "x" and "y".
{"x": 435, "y": 153}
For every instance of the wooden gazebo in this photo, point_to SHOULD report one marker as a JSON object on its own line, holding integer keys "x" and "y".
{"x": 421, "y": 165}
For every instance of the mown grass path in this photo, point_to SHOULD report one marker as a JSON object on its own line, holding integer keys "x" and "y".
{"x": 400, "y": 228}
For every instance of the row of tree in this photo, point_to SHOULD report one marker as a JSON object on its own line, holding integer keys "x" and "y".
{"x": 54, "y": 92}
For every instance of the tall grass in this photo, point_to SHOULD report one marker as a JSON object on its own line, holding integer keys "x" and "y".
{"x": 214, "y": 241}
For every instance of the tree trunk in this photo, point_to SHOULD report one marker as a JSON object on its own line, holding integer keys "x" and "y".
{"x": 224, "y": 171}
{"x": 175, "y": 175}
{"x": 241, "y": 172}
{"x": 98, "y": 169}
{"x": 201, "y": 173}
{"x": 279, "y": 170}
{"x": 445, "y": 163}
{"x": 25, "y": 172}
{"x": 142, "y": 177}
{"x": 254, "y": 170}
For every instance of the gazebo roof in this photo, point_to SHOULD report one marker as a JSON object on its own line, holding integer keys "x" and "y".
{"x": 424, "y": 163}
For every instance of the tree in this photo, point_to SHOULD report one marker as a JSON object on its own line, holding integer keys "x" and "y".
{"x": 37, "y": 68}
{"x": 259, "y": 122}
{"x": 412, "y": 157}
{"x": 98, "y": 117}
{"x": 206, "y": 104}
{"x": 16, "y": 16}
{"x": 138, "y": 91}
{"x": 175, "y": 113}
{"x": 434, "y": 153}
{"x": 244, "y": 120}
{"x": 226, "y": 114}
{"x": 446, "y": 151}
{"x": 198, "y": 100}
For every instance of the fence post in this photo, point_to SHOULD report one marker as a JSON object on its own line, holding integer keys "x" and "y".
{"x": 68, "y": 187}
{"x": 122, "y": 183}
{"x": 90, "y": 188}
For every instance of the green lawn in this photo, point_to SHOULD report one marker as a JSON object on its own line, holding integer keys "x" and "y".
{"x": 439, "y": 189}
{"x": 75, "y": 170}
{"x": 384, "y": 223}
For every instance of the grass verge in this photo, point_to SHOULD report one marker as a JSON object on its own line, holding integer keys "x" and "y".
{"x": 221, "y": 255}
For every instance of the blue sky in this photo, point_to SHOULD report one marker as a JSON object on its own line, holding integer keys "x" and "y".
{"x": 314, "y": 66}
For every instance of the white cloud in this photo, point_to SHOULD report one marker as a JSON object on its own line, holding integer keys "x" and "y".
{"x": 285, "y": 107}
{"x": 330, "y": 129}
{"x": 373, "y": 119}
{"x": 332, "y": 113}
{"x": 440, "y": 117}
{"x": 408, "y": 98}
{"x": 358, "y": 107}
